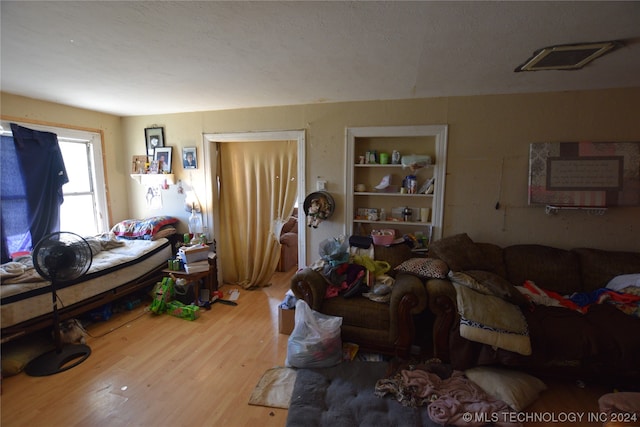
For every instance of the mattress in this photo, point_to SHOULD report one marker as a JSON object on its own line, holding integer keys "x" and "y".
{"x": 109, "y": 269}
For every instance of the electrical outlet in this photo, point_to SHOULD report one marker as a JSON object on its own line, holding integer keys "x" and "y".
{"x": 321, "y": 185}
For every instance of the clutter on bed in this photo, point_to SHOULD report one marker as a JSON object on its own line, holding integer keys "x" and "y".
{"x": 120, "y": 266}
{"x": 152, "y": 228}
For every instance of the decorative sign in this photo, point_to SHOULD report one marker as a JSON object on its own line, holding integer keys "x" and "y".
{"x": 586, "y": 174}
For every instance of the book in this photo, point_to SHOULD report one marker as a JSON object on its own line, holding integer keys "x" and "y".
{"x": 196, "y": 267}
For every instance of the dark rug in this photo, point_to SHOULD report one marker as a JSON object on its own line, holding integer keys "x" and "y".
{"x": 344, "y": 396}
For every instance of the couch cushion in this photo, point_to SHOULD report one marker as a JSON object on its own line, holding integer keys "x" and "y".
{"x": 548, "y": 267}
{"x": 394, "y": 255}
{"x": 498, "y": 286}
{"x": 358, "y": 311}
{"x": 424, "y": 268}
{"x": 599, "y": 266}
{"x": 460, "y": 253}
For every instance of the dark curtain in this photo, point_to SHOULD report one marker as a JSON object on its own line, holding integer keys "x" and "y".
{"x": 41, "y": 170}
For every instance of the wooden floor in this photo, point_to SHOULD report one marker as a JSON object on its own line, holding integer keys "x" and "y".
{"x": 161, "y": 371}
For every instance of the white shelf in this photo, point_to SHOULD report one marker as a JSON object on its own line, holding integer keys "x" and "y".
{"x": 377, "y": 165}
{"x": 366, "y": 221}
{"x": 153, "y": 178}
{"x": 371, "y": 193}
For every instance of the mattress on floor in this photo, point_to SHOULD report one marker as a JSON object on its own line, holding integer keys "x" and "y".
{"x": 109, "y": 269}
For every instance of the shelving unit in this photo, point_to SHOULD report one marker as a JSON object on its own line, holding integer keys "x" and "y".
{"x": 408, "y": 140}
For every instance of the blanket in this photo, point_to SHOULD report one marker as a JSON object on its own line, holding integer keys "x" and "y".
{"x": 21, "y": 269}
{"x": 626, "y": 299}
{"x": 450, "y": 400}
{"x": 491, "y": 320}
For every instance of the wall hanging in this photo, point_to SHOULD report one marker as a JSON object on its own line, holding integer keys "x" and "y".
{"x": 584, "y": 174}
{"x": 318, "y": 206}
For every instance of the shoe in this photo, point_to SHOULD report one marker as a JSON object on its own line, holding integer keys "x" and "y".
{"x": 386, "y": 180}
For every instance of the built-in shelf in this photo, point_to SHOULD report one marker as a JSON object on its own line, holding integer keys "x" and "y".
{"x": 398, "y": 223}
{"x": 371, "y": 193}
{"x": 153, "y": 178}
{"x": 591, "y": 210}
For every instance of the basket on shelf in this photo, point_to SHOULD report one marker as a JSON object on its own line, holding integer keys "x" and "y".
{"x": 383, "y": 237}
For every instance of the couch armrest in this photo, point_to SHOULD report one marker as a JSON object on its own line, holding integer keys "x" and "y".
{"x": 408, "y": 298}
{"x": 442, "y": 303}
{"x": 309, "y": 285}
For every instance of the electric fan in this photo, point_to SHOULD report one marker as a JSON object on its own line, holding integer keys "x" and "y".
{"x": 60, "y": 257}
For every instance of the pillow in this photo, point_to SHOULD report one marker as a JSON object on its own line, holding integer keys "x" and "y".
{"x": 499, "y": 286}
{"x": 165, "y": 231}
{"x": 425, "y": 268}
{"x": 459, "y": 252}
{"x": 516, "y": 389}
{"x": 146, "y": 228}
{"x": 623, "y": 281}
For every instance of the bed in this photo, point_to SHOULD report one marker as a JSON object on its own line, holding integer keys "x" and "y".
{"x": 129, "y": 258}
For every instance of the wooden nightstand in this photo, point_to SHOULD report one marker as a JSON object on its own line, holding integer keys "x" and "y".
{"x": 208, "y": 277}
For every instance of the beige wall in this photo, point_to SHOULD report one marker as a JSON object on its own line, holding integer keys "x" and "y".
{"x": 484, "y": 131}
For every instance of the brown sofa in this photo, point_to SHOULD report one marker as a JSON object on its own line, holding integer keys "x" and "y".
{"x": 604, "y": 342}
{"x": 386, "y": 328}
{"x": 289, "y": 243}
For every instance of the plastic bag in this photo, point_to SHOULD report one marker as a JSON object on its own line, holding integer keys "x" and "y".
{"x": 315, "y": 341}
{"x": 334, "y": 250}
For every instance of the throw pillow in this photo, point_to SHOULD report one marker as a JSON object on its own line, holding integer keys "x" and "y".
{"x": 425, "y": 268}
{"x": 499, "y": 287}
{"x": 459, "y": 252}
{"x": 516, "y": 389}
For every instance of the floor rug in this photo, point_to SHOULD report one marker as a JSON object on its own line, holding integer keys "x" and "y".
{"x": 274, "y": 388}
{"x": 343, "y": 396}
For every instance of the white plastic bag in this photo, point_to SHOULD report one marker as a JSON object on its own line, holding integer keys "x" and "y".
{"x": 315, "y": 341}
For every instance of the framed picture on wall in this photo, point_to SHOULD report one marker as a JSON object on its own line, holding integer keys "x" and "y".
{"x": 138, "y": 164}
{"x": 154, "y": 138}
{"x": 163, "y": 156}
{"x": 189, "y": 159}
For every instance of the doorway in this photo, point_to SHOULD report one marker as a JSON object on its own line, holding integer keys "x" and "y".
{"x": 218, "y": 202}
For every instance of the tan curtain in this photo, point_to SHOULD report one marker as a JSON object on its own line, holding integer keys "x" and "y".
{"x": 257, "y": 193}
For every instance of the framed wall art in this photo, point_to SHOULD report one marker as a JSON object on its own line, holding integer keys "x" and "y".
{"x": 584, "y": 174}
{"x": 189, "y": 159}
{"x": 154, "y": 138}
{"x": 163, "y": 156}
{"x": 138, "y": 164}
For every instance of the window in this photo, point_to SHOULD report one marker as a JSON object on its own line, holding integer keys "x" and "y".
{"x": 84, "y": 210}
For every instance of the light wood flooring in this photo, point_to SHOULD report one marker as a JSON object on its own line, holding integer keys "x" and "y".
{"x": 164, "y": 371}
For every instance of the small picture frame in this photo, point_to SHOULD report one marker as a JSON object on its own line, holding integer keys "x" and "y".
{"x": 162, "y": 155}
{"x": 154, "y": 138}
{"x": 153, "y": 166}
{"x": 138, "y": 164}
{"x": 189, "y": 159}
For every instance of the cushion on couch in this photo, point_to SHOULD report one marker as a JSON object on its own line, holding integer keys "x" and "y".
{"x": 499, "y": 286}
{"x": 460, "y": 253}
{"x": 424, "y": 268}
{"x": 546, "y": 266}
{"x": 600, "y": 266}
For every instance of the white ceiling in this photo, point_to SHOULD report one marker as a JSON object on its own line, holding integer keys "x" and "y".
{"x": 143, "y": 58}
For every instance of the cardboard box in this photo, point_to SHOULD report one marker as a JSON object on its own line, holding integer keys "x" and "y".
{"x": 286, "y": 320}
{"x": 193, "y": 253}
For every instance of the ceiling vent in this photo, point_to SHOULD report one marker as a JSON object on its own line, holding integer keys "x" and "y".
{"x": 567, "y": 56}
